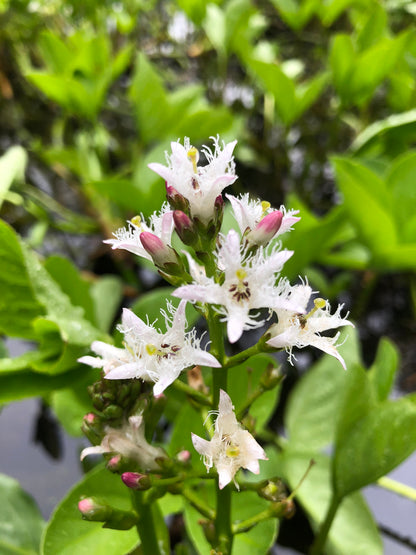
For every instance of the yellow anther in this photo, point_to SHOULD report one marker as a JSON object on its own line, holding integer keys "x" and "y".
{"x": 232, "y": 451}
{"x": 241, "y": 274}
{"x": 193, "y": 156}
{"x": 137, "y": 221}
{"x": 265, "y": 206}
{"x": 320, "y": 303}
{"x": 151, "y": 349}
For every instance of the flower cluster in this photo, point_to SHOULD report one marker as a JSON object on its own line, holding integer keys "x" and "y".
{"x": 233, "y": 277}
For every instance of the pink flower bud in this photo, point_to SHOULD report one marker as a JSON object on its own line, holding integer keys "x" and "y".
{"x": 184, "y": 227}
{"x": 183, "y": 456}
{"x": 267, "y": 228}
{"x": 176, "y": 200}
{"x": 86, "y": 505}
{"x": 160, "y": 253}
{"x": 136, "y": 481}
{"x": 90, "y": 418}
{"x": 114, "y": 463}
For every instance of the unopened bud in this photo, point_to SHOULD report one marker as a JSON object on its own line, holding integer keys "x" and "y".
{"x": 113, "y": 412}
{"x": 114, "y": 463}
{"x": 185, "y": 228}
{"x": 289, "y": 508}
{"x": 176, "y": 200}
{"x": 136, "y": 481}
{"x": 184, "y": 456}
{"x": 273, "y": 490}
{"x": 91, "y": 509}
{"x": 266, "y": 229}
{"x": 158, "y": 250}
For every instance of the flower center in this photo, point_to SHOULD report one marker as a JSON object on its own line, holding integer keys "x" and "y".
{"x": 240, "y": 290}
{"x": 164, "y": 351}
{"x": 231, "y": 450}
{"x": 303, "y": 318}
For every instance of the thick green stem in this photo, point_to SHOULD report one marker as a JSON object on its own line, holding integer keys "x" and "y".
{"x": 320, "y": 540}
{"x": 199, "y": 505}
{"x": 146, "y": 526}
{"x": 223, "y": 531}
{"x": 198, "y": 396}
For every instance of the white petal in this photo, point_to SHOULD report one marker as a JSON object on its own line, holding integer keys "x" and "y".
{"x": 179, "y": 319}
{"x": 326, "y": 322}
{"x": 124, "y": 372}
{"x": 203, "y": 358}
{"x": 202, "y": 446}
{"x": 326, "y": 344}
{"x": 165, "y": 381}
{"x": 235, "y": 326}
{"x": 94, "y": 362}
{"x": 97, "y": 450}
{"x": 133, "y": 323}
{"x": 225, "y": 405}
{"x": 225, "y": 475}
{"x": 161, "y": 170}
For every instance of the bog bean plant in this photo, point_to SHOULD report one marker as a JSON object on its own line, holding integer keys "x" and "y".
{"x": 208, "y": 223}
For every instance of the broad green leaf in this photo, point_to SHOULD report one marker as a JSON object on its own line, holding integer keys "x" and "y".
{"x": 106, "y": 293}
{"x": 275, "y": 81}
{"x": 73, "y": 327}
{"x": 245, "y": 504}
{"x": 215, "y": 27}
{"x": 384, "y": 368}
{"x": 357, "y": 401}
{"x": 71, "y": 404}
{"x": 296, "y": 14}
{"x": 367, "y": 201}
{"x": 354, "y": 529}
{"x": 149, "y": 305}
{"x": 12, "y": 167}
{"x": 21, "y": 523}
{"x": 123, "y": 192}
{"x": 401, "y": 181}
{"x": 149, "y": 100}
{"x": 20, "y": 385}
{"x": 18, "y": 303}
{"x": 66, "y": 532}
{"x": 25, "y": 361}
{"x": 388, "y": 129}
{"x": 244, "y": 379}
{"x": 56, "y": 54}
{"x": 186, "y": 422}
{"x": 341, "y": 60}
{"x": 313, "y": 405}
{"x": 374, "y": 444}
{"x": 66, "y": 275}
{"x": 307, "y": 93}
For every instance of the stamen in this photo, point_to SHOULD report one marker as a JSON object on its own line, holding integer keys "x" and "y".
{"x": 151, "y": 349}
{"x": 265, "y": 206}
{"x": 232, "y": 451}
{"x": 136, "y": 221}
{"x": 241, "y": 274}
{"x": 193, "y": 156}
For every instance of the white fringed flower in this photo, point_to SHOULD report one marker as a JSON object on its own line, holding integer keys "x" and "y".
{"x": 129, "y": 441}
{"x": 151, "y": 355}
{"x": 231, "y": 447}
{"x": 258, "y": 221}
{"x": 300, "y": 330}
{"x": 160, "y": 225}
{"x": 199, "y": 185}
{"x": 248, "y": 284}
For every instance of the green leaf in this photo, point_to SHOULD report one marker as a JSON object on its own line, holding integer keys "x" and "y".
{"x": 187, "y": 421}
{"x": 295, "y": 15}
{"x": 71, "y": 404}
{"x": 341, "y": 60}
{"x": 313, "y": 405}
{"x": 73, "y": 327}
{"x": 374, "y": 443}
{"x": 66, "y": 275}
{"x": 66, "y": 533}
{"x": 244, "y": 379}
{"x": 150, "y": 304}
{"x": 354, "y": 529}
{"x": 401, "y": 180}
{"x": 149, "y": 100}
{"x": 107, "y": 293}
{"x": 387, "y": 130}
{"x": 18, "y": 303}
{"x": 245, "y": 504}
{"x": 367, "y": 201}
{"x": 20, "y": 385}
{"x": 384, "y": 368}
{"x": 12, "y": 168}
{"x": 21, "y": 523}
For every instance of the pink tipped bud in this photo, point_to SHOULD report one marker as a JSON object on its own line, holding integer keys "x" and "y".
{"x": 176, "y": 200}
{"x": 92, "y": 510}
{"x": 158, "y": 250}
{"x": 114, "y": 463}
{"x": 136, "y": 481}
{"x": 184, "y": 456}
{"x": 267, "y": 228}
{"x": 90, "y": 418}
{"x": 185, "y": 227}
